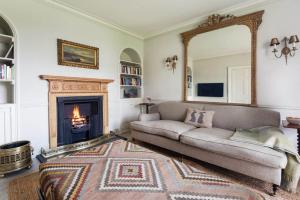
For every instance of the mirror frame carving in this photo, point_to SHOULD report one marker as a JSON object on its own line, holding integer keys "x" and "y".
{"x": 214, "y": 22}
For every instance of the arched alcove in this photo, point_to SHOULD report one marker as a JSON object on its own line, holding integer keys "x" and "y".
{"x": 130, "y": 74}
{"x": 130, "y": 55}
{"x": 5, "y": 29}
{"x": 7, "y": 77}
{"x": 8, "y": 106}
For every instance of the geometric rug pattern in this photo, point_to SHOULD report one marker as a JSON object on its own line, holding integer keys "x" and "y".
{"x": 72, "y": 175}
{"x": 97, "y": 151}
{"x": 132, "y": 147}
{"x": 131, "y": 174}
{"x": 188, "y": 172}
{"x": 123, "y": 170}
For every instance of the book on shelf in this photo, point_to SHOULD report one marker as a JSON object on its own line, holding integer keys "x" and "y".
{"x": 131, "y": 70}
{"x": 6, "y": 72}
{"x": 131, "y": 81}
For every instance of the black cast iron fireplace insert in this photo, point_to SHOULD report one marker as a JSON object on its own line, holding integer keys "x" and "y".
{"x": 79, "y": 119}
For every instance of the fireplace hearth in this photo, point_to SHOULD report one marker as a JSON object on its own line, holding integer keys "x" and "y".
{"x": 79, "y": 118}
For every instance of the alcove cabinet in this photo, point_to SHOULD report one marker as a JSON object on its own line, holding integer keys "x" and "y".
{"x": 8, "y": 125}
{"x": 131, "y": 75}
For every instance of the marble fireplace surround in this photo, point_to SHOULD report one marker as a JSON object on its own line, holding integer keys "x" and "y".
{"x": 62, "y": 86}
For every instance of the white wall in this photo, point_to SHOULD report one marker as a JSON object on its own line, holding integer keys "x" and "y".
{"x": 277, "y": 83}
{"x": 38, "y": 25}
{"x": 159, "y": 82}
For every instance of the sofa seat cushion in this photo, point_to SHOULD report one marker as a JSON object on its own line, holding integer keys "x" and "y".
{"x": 166, "y": 128}
{"x": 217, "y": 140}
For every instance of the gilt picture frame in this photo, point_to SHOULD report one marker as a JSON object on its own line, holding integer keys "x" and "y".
{"x": 77, "y": 55}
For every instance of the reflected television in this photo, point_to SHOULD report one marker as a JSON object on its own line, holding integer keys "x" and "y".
{"x": 210, "y": 89}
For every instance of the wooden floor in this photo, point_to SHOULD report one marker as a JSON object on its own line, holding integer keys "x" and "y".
{"x": 5, "y": 181}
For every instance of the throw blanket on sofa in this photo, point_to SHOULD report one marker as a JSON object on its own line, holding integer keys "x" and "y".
{"x": 274, "y": 138}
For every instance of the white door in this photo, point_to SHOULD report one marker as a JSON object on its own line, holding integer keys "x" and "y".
{"x": 239, "y": 84}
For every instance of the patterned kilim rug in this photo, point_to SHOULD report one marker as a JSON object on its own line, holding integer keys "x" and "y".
{"x": 124, "y": 170}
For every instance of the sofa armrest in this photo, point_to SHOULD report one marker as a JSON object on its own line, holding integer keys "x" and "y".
{"x": 149, "y": 117}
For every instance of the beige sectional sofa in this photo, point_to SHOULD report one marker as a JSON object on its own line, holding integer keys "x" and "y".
{"x": 213, "y": 145}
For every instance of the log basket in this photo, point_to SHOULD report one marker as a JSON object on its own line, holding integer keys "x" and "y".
{"x": 15, "y": 156}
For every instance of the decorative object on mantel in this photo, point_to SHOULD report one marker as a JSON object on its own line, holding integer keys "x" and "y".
{"x": 171, "y": 62}
{"x": 286, "y": 50}
{"x": 77, "y": 55}
{"x": 216, "y": 19}
{"x": 15, "y": 156}
{"x": 287, "y": 124}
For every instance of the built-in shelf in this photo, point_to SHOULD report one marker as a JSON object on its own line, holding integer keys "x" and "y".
{"x": 130, "y": 75}
{"x": 136, "y": 86}
{"x": 130, "y": 62}
{"x": 8, "y": 107}
{"x": 6, "y": 59}
{"x": 7, "y": 81}
{"x": 7, "y": 67}
{"x": 6, "y": 104}
{"x": 6, "y": 39}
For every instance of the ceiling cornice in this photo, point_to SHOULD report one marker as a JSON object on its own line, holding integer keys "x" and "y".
{"x": 194, "y": 21}
{"x": 92, "y": 17}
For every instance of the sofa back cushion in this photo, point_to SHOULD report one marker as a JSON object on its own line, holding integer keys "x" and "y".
{"x": 172, "y": 110}
{"x": 226, "y": 116}
{"x": 232, "y": 117}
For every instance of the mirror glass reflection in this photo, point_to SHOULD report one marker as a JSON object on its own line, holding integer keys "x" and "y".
{"x": 219, "y": 66}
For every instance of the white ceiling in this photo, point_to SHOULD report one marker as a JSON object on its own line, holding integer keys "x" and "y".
{"x": 222, "y": 42}
{"x": 144, "y": 18}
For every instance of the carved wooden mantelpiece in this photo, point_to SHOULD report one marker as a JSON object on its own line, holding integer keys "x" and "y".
{"x": 61, "y": 86}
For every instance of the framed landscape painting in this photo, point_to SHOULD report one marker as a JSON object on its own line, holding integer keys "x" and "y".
{"x": 77, "y": 55}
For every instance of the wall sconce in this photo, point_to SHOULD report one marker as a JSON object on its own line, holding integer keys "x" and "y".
{"x": 171, "y": 62}
{"x": 286, "y": 50}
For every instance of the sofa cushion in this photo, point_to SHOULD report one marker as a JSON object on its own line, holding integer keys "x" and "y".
{"x": 149, "y": 117}
{"x": 172, "y": 110}
{"x": 167, "y": 128}
{"x": 199, "y": 118}
{"x": 217, "y": 140}
{"x": 232, "y": 117}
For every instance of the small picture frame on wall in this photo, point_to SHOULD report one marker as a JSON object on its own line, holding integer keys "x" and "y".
{"x": 77, "y": 55}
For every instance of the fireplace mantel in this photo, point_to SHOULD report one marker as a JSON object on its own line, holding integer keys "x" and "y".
{"x": 62, "y": 86}
{"x": 66, "y": 78}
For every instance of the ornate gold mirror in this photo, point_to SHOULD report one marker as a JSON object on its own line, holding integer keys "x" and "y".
{"x": 220, "y": 60}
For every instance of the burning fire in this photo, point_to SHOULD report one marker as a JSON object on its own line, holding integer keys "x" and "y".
{"x": 78, "y": 121}
{"x": 76, "y": 112}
